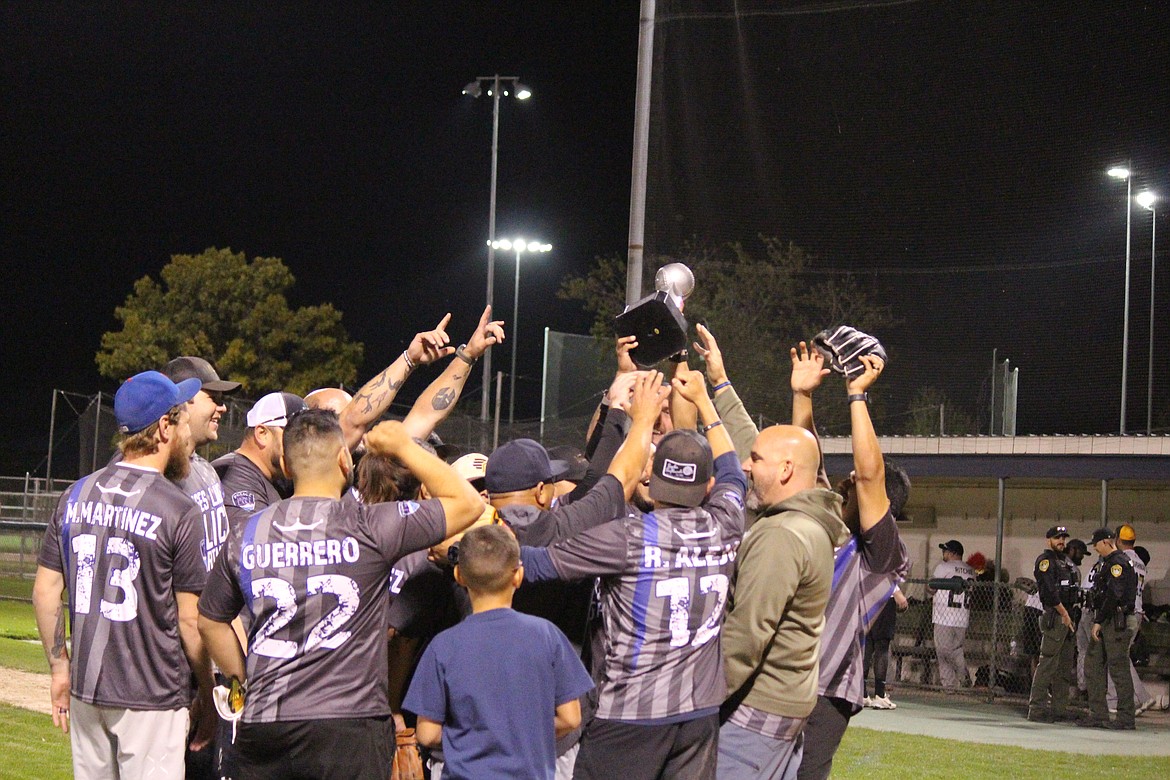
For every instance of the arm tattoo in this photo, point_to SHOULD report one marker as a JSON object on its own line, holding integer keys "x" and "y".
{"x": 58, "y": 649}
{"x": 366, "y": 394}
{"x": 443, "y": 398}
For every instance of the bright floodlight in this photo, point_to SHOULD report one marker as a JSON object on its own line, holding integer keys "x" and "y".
{"x": 473, "y": 89}
{"x": 1118, "y": 172}
{"x": 503, "y": 243}
{"x": 1146, "y": 200}
{"x": 522, "y": 92}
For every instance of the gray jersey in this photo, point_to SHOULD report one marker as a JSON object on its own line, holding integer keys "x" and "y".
{"x": 245, "y": 488}
{"x": 313, "y": 575}
{"x": 861, "y": 587}
{"x": 126, "y": 540}
{"x": 202, "y": 485}
{"x": 664, "y": 587}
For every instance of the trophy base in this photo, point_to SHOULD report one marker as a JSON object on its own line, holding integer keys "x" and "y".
{"x": 659, "y": 325}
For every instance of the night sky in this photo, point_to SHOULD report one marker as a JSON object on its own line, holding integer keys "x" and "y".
{"x": 920, "y": 137}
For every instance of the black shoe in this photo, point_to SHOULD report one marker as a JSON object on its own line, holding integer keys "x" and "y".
{"x": 1063, "y": 718}
{"x": 1116, "y": 725}
{"x": 1090, "y": 722}
{"x": 1041, "y": 717}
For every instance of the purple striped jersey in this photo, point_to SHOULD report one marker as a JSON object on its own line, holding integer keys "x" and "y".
{"x": 862, "y": 584}
{"x": 664, "y": 587}
{"x": 312, "y": 574}
{"x": 203, "y": 486}
{"x": 126, "y": 539}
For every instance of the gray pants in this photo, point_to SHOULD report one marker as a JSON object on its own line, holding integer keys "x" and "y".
{"x": 746, "y": 754}
{"x": 948, "y": 648}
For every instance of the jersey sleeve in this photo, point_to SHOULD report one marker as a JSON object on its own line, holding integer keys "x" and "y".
{"x": 600, "y": 505}
{"x": 599, "y": 551}
{"x": 726, "y": 505}
{"x": 189, "y": 573}
{"x": 572, "y": 680}
{"x": 427, "y": 695}
{"x": 881, "y": 546}
{"x": 221, "y": 599}
{"x": 50, "y": 555}
{"x": 399, "y": 528}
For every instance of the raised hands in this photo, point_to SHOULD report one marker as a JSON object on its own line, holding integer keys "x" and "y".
{"x": 712, "y": 356}
{"x": 388, "y": 438}
{"x": 647, "y": 398}
{"x": 624, "y": 361}
{"x": 487, "y": 334}
{"x": 808, "y": 369}
{"x": 689, "y": 384}
{"x": 621, "y": 387}
{"x": 873, "y": 368}
{"x": 430, "y": 345}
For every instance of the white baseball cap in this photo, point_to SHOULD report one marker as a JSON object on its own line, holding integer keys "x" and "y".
{"x": 274, "y": 409}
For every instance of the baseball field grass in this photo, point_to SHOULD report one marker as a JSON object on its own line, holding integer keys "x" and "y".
{"x": 31, "y": 747}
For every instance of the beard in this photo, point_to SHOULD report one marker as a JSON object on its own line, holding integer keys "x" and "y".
{"x": 178, "y": 464}
{"x": 752, "y": 500}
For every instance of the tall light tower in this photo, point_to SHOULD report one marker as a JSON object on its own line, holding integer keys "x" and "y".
{"x": 1124, "y": 173}
{"x": 519, "y": 246}
{"x": 1147, "y": 200}
{"x": 496, "y": 86}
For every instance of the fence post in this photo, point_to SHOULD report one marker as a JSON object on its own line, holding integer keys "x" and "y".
{"x": 993, "y": 678}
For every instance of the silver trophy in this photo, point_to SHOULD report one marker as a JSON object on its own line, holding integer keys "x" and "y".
{"x": 657, "y": 319}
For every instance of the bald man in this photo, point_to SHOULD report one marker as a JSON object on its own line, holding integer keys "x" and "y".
{"x": 782, "y": 585}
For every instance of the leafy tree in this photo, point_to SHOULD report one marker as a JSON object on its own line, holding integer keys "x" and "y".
{"x": 757, "y": 306}
{"x": 234, "y": 313}
{"x": 924, "y": 415}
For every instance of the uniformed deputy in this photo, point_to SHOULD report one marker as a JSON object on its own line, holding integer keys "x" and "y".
{"x": 1057, "y": 583}
{"x": 1113, "y": 595}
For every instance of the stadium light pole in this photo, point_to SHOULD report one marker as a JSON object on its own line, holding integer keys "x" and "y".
{"x": 1147, "y": 200}
{"x": 519, "y": 246}
{"x": 494, "y": 91}
{"x": 1120, "y": 172}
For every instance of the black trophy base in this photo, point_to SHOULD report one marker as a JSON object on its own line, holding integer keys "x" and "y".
{"x": 659, "y": 325}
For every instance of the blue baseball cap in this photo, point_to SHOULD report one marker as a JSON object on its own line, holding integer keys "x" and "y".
{"x": 519, "y": 465}
{"x": 144, "y": 398}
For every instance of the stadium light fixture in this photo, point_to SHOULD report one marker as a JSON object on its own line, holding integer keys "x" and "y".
{"x": 520, "y": 247}
{"x": 1122, "y": 172}
{"x": 476, "y": 89}
{"x": 1147, "y": 200}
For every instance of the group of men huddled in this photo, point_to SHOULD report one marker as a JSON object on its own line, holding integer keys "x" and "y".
{"x": 231, "y": 619}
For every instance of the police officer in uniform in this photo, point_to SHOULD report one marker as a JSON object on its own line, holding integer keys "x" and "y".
{"x": 1113, "y": 596}
{"x": 1057, "y": 583}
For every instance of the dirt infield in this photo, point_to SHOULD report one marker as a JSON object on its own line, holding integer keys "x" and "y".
{"x": 25, "y": 689}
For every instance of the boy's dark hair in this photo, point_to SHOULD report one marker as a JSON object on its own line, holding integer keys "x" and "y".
{"x": 310, "y": 441}
{"x": 897, "y": 487}
{"x": 488, "y": 557}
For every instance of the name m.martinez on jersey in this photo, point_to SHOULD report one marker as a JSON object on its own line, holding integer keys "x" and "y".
{"x": 124, "y": 518}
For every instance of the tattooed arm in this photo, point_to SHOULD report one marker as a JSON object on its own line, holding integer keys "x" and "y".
{"x": 50, "y": 614}
{"x": 375, "y": 397}
{"x": 433, "y": 406}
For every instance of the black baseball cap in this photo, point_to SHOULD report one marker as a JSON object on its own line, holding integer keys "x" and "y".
{"x": 1056, "y": 531}
{"x": 190, "y": 367}
{"x": 1074, "y": 544}
{"x": 1100, "y": 535}
{"x": 575, "y": 461}
{"x": 519, "y": 465}
{"x": 954, "y": 545}
{"x": 682, "y": 467}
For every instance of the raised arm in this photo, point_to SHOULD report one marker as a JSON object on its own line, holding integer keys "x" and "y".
{"x": 461, "y": 503}
{"x": 437, "y": 401}
{"x": 630, "y": 461}
{"x": 808, "y": 369}
{"x": 869, "y": 469}
{"x": 731, "y": 410}
{"x": 689, "y": 384}
{"x": 375, "y": 396}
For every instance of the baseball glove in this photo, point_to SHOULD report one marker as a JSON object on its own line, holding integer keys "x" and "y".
{"x": 843, "y": 347}
{"x": 407, "y": 763}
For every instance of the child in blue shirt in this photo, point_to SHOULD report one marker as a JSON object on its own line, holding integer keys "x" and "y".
{"x": 498, "y": 689}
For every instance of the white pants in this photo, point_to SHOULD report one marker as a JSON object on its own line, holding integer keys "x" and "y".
{"x": 114, "y": 742}
{"x": 948, "y": 649}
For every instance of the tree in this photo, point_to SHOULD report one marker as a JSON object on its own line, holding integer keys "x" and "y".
{"x": 234, "y": 313}
{"x": 757, "y": 306}
{"x": 924, "y": 415}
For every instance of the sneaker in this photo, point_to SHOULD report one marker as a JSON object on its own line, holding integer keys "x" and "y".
{"x": 1145, "y": 706}
{"x": 1116, "y": 725}
{"x": 883, "y": 703}
{"x": 867, "y": 702}
{"x": 1164, "y": 702}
